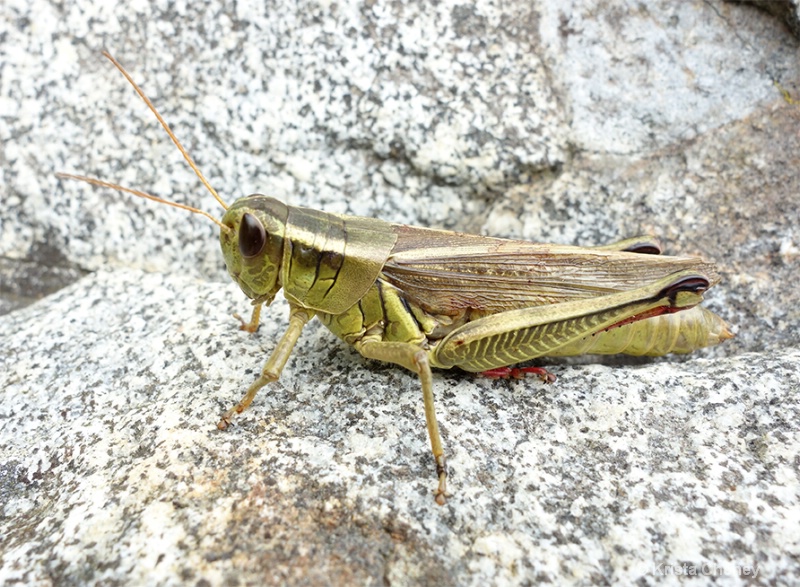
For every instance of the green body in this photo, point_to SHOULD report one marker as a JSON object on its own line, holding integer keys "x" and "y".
{"x": 469, "y": 301}
{"x": 425, "y": 298}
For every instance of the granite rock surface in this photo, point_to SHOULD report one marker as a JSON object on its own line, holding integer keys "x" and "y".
{"x": 564, "y": 122}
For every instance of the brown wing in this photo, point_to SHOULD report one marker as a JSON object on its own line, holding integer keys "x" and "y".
{"x": 445, "y": 272}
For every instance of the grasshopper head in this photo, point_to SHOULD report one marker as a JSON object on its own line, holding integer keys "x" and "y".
{"x": 253, "y": 247}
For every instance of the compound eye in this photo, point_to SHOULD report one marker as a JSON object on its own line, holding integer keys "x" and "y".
{"x": 252, "y": 236}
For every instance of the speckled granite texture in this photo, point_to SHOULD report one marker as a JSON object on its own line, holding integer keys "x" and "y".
{"x": 565, "y": 122}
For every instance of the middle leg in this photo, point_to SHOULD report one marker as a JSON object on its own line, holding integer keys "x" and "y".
{"x": 415, "y": 359}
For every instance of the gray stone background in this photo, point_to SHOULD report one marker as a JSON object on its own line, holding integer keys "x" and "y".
{"x": 574, "y": 122}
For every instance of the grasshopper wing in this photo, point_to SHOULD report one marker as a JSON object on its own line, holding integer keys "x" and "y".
{"x": 447, "y": 273}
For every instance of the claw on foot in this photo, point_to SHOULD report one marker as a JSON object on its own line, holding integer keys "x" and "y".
{"x": 227, "y": 417}
{"x": 245, "y": 325}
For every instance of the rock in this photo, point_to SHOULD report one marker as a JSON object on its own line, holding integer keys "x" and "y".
{"x": 577, "y": 125}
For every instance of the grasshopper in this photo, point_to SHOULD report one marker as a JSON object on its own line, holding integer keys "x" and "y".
{"x": 424, "y": 298}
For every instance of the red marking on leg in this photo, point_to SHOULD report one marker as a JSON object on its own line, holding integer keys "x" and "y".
{"x": 519, "y": 373}
{"x": 499, "y": 373}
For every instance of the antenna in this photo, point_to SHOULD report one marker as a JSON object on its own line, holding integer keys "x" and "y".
{"x": 169, "y": 132}
{"x": 113, "y": 186}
